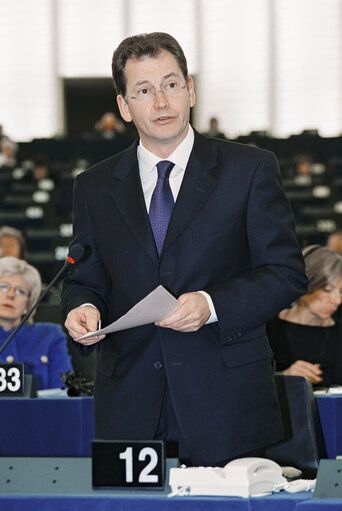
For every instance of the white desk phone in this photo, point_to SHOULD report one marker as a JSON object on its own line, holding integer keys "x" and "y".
{"x": 242, "y": 477}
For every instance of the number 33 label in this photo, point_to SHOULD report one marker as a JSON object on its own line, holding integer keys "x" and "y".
{"x": 134, "y": 464}
{"x": 11, "y": 379}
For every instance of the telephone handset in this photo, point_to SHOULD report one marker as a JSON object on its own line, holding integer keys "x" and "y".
{"x": 242, "y": 477}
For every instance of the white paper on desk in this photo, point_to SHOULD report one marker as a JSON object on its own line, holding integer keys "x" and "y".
{"x": 156, "y": 306}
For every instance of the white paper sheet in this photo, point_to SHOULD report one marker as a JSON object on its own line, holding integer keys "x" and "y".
{"x": 156, "y": 306}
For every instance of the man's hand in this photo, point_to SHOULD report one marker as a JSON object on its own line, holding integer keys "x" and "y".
{"x": 190, "y": 316}
{"x": 301, "y": 368}
{"x": 82, "y": 320}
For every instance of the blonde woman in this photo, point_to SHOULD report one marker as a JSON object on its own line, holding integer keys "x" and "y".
{"x": 40, "y": 346}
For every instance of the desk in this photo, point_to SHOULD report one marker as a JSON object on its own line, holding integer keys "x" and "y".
{"x": 65, "y": 427}
{"x": 112, "y": 502}
{"x": 330, "y": 412}
{"x": 46, "y": 427}
{"x": 36, "y": 484}
{"x": 61, "y": 484}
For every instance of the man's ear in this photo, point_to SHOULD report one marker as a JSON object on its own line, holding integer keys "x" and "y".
{"x": 191, "y": 91}
{"x": 124, "y": 109}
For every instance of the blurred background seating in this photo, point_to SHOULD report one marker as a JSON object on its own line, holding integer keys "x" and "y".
{"x": 36, "y": 195}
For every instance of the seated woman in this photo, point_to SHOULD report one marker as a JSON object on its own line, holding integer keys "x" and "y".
{"x": 42, "y": 346}
{"x": 307, "y": 338}
{"x": 12, "y": 242}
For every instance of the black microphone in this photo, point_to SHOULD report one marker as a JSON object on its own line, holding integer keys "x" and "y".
{"x": 75, "y": 254}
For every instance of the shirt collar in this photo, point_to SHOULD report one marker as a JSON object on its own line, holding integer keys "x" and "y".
{"x": 180, "y": 156}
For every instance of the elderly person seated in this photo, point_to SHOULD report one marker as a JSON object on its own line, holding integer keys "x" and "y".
{"x": 307, "y": 338}
{"x": 12, "y": 242}
{"x": 42, "y": 346}
{"x": 8, "y": 153}
{"x": 109, "y": 126}
{"x": 334, "y": 241}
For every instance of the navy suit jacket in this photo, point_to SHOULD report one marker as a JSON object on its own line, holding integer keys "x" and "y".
{"x": 232, "y": 235}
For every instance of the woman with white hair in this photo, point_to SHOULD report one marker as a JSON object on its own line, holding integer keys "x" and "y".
{"x": 307, "y": 338}
{"x": 40, "y": 346}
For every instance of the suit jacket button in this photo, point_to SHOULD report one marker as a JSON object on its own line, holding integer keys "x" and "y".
{"x": 158, "y": 365}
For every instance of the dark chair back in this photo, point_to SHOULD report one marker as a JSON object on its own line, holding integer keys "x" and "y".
{"x": 303, "y": 444}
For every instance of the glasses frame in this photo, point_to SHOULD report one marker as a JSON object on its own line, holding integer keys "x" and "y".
{"x": 153, "y": 95}
{"x": 18, "y": 291}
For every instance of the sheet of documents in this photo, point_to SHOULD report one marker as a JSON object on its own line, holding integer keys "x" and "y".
{"x": 154, "y": 307}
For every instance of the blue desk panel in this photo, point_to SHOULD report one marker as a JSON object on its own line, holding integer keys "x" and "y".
{"x": 46, "y": 427}
{"x": 320, "y": 505}
{"x": 65, "y": 426}
{"x": 330, "y": 412}
{"x": 281, "y": 502}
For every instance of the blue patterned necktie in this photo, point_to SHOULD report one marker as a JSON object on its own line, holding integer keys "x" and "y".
{"x": 161, "y": 203}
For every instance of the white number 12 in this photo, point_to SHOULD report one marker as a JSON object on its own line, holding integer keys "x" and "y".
{"x": 145, "y": 476}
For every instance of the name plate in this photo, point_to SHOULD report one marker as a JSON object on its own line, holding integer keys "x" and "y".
{"x": 11, "y": 379}
{"x": 128, "y": 464}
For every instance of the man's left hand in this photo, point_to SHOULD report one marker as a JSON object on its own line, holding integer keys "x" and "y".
{"x": 190, "y": 316}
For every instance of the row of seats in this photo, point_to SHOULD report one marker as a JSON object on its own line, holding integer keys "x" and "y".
{"x": 42, "y": 208}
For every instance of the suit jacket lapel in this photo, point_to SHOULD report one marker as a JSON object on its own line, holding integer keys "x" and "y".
{"x": 198, "y": 182}
{"x": 129, "y": 198}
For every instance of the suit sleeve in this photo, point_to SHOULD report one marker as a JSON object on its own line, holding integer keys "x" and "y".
{"x": 276, "y": 275}
{"x": 89, "y": 282}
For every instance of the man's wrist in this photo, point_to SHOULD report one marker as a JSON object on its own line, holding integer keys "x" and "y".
{"x": 213, "y": 317}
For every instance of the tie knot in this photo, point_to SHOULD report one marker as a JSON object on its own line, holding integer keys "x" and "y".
{"x": 164, "y": 168}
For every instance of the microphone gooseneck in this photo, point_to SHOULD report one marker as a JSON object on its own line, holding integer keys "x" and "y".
{"x": 75, "y": 254}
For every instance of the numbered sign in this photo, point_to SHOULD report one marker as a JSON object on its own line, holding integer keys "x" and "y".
{"x": 11, "y": 379}
{"x": 133, "y": 464}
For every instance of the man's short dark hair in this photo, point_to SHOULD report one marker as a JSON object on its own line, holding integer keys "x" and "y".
{"x": 144, "y": 45}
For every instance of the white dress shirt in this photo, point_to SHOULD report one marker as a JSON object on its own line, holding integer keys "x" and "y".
{"x": 148, "y": 167}
{"x": 149, "y": 175}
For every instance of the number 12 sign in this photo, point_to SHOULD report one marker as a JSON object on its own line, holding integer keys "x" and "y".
{"x": 128, "y": 464}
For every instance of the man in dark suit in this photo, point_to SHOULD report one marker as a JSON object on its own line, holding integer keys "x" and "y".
{"x": 202, "y": 376}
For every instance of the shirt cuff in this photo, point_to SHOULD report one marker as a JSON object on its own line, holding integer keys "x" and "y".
{"x": 213, "y": 316}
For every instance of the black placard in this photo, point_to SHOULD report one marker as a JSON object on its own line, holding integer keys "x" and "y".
{"x": 11, "y": 379}
{"x": 128, "y": 464}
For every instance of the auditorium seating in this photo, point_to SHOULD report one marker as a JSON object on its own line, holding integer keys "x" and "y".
{"x": 45, "y": 215}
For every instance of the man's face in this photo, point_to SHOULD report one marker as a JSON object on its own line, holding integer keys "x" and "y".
{"x": 162, "y": 120}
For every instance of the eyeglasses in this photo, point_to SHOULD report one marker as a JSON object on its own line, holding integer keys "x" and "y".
{"x": 18, "y": 291}
{"x": 147, "y": 93}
